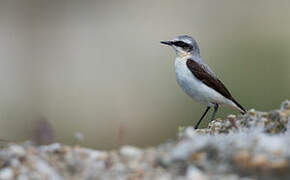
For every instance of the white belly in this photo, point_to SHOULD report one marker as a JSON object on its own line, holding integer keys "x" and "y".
{"x": 194, "y": 87}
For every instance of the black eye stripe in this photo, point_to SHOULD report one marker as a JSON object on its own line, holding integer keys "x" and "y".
{"x": 181, "y": 44}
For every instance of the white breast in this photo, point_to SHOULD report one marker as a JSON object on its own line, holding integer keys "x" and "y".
{"x": 194, "y": 87}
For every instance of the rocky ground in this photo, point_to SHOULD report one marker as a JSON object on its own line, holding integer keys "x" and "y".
{"x": 251, "y": 146}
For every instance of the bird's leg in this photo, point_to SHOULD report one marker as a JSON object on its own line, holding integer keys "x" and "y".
{"x": 196, "y": 126}
{"x": 216, "y": 106}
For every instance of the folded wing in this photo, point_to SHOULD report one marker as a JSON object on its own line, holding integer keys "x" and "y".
{"x": 200, "y": 73}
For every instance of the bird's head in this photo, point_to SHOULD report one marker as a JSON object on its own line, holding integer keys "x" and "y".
{"x": 183, "y": 45}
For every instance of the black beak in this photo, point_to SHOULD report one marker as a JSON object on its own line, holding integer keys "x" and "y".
{"x": 169, "y": 43}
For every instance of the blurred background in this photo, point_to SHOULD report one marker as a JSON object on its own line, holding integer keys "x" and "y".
{"x": 96, "y": 69}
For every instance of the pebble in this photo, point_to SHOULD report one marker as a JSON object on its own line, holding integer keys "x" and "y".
{"x": 131, "y": 152}
{"x": 17, "y": 150}
{"x": 195, "y": 174}
{"x": 6, "y": 174}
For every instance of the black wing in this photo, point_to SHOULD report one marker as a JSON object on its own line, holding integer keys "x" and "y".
{"x": 200, "y": 73}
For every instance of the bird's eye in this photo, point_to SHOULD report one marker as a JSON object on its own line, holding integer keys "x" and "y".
{"x": 183, "y": 45}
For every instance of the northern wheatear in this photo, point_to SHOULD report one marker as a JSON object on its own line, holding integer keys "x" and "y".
{"x": 197, "y": 79}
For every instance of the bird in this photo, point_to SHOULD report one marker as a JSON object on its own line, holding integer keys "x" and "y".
{"x": 197, "y": 79}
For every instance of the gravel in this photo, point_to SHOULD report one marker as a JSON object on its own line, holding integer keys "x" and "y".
{"x": 251, "y": 146}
